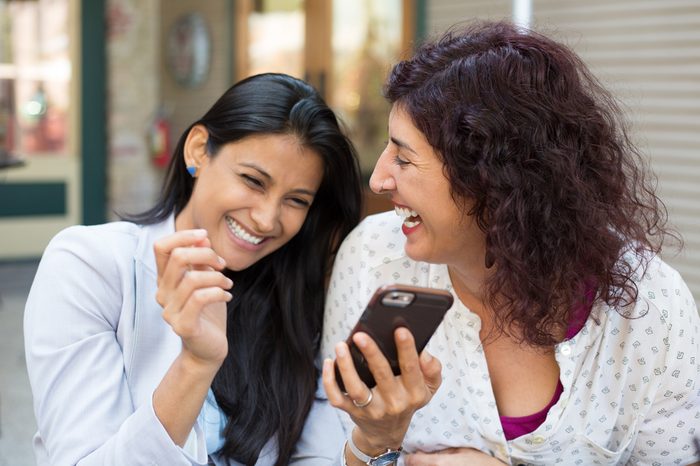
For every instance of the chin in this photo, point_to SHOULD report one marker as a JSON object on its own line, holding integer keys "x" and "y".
{"x": 423, "y": 255}
{"x": 416, "y": 255}
{"x": 236, "y": 265}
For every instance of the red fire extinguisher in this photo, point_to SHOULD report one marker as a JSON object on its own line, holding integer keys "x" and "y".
{"x": 160, "y": 140}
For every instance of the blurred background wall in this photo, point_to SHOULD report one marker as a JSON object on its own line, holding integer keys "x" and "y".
{"x": 95, "y": 93}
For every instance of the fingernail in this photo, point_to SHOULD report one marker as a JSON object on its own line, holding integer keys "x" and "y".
{"x": 229, "y": 296}
{"x": 340, "y": 350}
{"x": 200, "y": 233}
{"x": 360, "y": 340}
{"x": 427, "y": 357}
{"x": 402, "y": 334}
{"x": 230, "y": 283}
{"x": 222, "y": 261}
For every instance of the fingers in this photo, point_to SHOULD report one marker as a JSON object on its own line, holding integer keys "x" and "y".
{"x": 432, "y": 371}
{"x": 180, "y": 239}
{"x": 417, "y": 373}
{"x": 384, "y": 420}
{"x": 354, "y": 386}
{"x": 408, "y": 358}
{"x": 377, "y": 362}
{"x": 186, "y": 320}
{"x": 336, "y": 397}
{"x": 190, "y": 258}
{"x": 194, "y": 280}
{"x": 181, "y": 261}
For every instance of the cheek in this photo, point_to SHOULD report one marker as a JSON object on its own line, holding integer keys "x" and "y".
{"x": 292, "y": 222}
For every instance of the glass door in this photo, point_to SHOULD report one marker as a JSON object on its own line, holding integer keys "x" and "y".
{"x": 39, "y": 166}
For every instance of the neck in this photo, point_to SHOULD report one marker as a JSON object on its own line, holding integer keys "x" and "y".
{"x": 468, "y": 281}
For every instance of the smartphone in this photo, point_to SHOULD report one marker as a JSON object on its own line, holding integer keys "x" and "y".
{"x": 418, "y": 309}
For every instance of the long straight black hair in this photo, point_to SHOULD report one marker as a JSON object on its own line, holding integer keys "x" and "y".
{"x": 267, "y": 382}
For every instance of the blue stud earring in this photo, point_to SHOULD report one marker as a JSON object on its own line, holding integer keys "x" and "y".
{"x": 191, "y": 170}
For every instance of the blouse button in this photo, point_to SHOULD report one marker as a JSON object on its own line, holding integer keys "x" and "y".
{"x": 565, "y": 349}
{"x": 538, "y": 440}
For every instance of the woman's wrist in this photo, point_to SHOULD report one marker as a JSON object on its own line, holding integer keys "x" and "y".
{"x": 371, "y": 446}
{"x": 179, "y": 397}
{"x": 198, "y": 366}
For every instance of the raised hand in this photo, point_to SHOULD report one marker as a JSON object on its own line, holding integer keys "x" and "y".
{"x": 383, "y": 421}
{"x": 193, "y": 293}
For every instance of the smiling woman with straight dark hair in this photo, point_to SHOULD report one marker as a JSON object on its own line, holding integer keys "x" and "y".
{"x": 141, "y": 350}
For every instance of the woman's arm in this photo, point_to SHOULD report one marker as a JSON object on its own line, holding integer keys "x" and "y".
{"x": 191, "y": 291}
{"x": 667, "y": 433}
{"x": 82, "y": 400}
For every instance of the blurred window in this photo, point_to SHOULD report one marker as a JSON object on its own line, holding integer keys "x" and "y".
{"x": 367, "y": 40}
{"x": 276, "y": 37}
{"x": 35, "y": 73}
{"x": 343, "y": 47}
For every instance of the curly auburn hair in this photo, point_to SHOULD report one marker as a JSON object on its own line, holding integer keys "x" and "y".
{"x": 537, "y": 151}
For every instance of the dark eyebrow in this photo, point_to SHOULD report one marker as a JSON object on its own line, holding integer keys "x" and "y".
{"x": 304, "y": 191}
{"x": 262, "y": 172}
{"x": 268, "y": 177}
{"x": 402, "y": 144}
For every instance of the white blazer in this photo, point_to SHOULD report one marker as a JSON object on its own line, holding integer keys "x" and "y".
{"x": 97, "y": 347}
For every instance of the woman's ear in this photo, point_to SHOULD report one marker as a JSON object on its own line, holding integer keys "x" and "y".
{"x": 195, "y": 150}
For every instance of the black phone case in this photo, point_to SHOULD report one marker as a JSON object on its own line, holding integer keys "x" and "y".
{"x": 385, "y": 313}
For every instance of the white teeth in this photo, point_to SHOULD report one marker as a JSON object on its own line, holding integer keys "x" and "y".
{"x": 405, "y": 212}
{"x": 241, "y": 233}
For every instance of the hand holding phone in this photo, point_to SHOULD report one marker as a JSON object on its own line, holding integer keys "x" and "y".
{"x": 418, "y": 309}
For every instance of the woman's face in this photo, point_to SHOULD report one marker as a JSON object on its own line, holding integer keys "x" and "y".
{"x": 253, "y": 196}
{"x": 411, "y": 173}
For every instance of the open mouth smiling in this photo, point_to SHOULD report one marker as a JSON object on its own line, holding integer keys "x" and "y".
{"x": 240, "y": 233}
{"x": 410, "y": 217}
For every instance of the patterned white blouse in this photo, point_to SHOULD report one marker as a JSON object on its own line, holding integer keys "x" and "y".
{"x": 631, "y": 386}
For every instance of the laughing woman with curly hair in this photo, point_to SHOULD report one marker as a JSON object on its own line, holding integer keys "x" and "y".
{"x": 519, "y": 190}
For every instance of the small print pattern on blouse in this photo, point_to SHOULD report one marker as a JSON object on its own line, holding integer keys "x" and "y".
{"x": 631, "y": 386}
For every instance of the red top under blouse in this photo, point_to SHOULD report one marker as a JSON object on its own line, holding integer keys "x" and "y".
{"x": 514, "y": 427}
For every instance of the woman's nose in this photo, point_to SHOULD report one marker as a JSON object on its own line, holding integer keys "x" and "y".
{"x": 265, "y": 215}
{"x": 381, "y": 179}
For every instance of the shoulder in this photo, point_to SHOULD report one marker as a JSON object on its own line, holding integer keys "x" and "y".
{"x": 376, "y": 240}
{"x": 95, "y": 234}
{"x": 82, "y": 277}
{"x": 662, "y": 330}
{"x": 664, "y": 295}
{"x": 96, "y": 245}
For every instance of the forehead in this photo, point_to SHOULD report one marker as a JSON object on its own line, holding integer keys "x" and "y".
{"x": 281, "y": 156}
{"x": 399, "y": 117}
{"x": 402, "y": 129}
